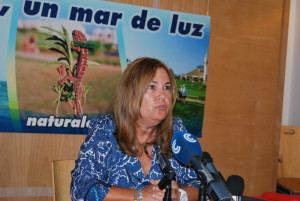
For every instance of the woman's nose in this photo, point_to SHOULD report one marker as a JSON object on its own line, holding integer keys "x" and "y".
{"x": 161, "y": 94}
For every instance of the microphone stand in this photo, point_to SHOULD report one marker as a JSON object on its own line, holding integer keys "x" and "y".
{"x": 165, "y": 182}
{"x": 203, "y": 186}
{"x": 169, "y": 174}
{"x": 202, "y": 177}
{"x": 167, "y": 196}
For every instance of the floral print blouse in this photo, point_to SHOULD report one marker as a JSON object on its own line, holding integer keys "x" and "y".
{"x": 101, "y": 164}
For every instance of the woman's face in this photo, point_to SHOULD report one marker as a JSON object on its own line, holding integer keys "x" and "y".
{"x": 157, "y": 100}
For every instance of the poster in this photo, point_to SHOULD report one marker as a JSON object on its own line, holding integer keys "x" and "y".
{"x": 41, "y": 90}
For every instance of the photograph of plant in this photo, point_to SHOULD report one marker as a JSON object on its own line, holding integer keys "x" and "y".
{"x": 73, "y": 69}
{"x": 69, "y": 88}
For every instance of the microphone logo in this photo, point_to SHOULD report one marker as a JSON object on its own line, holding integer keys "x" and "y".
{"x": 189, "y": 137}
{"x": 176, "y": 149}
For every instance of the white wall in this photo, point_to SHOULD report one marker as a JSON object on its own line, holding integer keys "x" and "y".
{"x": 291, "y": 99}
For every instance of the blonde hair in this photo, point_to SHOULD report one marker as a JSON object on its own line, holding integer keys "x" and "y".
{"x": 127, "y": 102}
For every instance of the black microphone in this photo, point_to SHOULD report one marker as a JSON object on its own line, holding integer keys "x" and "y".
{"x": 236, "y": 185}
{"x": 169, "y": 175}
{"x": 186, "y": 148}
{"x": 208, "y": 163}
{"x": 166, "y": 168}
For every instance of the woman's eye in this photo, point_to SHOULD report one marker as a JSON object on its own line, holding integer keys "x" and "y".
{"x": 151, "y": 86}
{"x": 167, "y": 87}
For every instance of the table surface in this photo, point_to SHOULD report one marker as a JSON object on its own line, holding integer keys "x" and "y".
{"x": 290, "y": 183}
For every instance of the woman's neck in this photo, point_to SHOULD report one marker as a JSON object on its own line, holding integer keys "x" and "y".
{"x": 145, "y": 135}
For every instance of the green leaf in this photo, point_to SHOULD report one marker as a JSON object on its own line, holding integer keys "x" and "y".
{"x": 55, "y": 101}
{"x": 66, "y": 35}
{"x": 55, "y": 38}
{"x": 87, "y": 89}
{"x": 70, "y": 95}
{"x": 57, "y": 50}
{"x": 55, "y": 89}
{"x": 69, "y": 45}
{"x": 62, "y": 59}
{"x": 54, "y": 30}
{"x": 47, "y": 34}
{"x": 46, "y": 47}
{"x": 55, "y": 62}
{"x": 64, "y": 46}
{"x": 86, "y": 45}
{"x": 93, "y": 63}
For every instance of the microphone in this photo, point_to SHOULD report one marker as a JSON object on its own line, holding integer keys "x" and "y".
{"x": 208, "y": 163}
{"x": 186, "y": 148}
{"x": 236, "y": 185}
{"x": 169, "y": 175}
{"x": 166, "y": 168}
{"x": 207, "y": 160}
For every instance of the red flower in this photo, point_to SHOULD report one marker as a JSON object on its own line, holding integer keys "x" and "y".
{"x": 61, "y": 69}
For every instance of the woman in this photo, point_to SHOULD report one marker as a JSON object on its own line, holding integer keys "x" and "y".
{"x": 118, "y": 160}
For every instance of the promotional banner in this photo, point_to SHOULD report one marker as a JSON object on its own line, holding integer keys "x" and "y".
{"x": 60, "y": 61}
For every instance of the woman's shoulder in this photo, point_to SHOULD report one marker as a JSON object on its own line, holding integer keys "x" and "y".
{"x": 177, "y": 124}
{"x": 102, "y": 127}
{"x": 102, "y": 121}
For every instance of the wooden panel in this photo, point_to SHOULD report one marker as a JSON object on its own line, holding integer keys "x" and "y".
{"x": 289, "y": 152}
{"x": 280, "y": 93}
{"x": 146, "y": 3}
{"x": 26, "y": 159}
{"x": 27, "y": 199}
{"x": 242, "y": 92}
{"x": 192, "y": 6}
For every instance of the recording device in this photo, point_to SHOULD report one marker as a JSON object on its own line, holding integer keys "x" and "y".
{"x": 169, "y": 175}
{"x": 186, "y": 148}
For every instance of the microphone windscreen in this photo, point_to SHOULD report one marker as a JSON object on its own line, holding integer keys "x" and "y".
{"x": 235, "y": 185}
{"x": 184, "y": 146}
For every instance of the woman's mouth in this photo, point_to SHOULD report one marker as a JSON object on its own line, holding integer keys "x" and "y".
{"x": 161, "y": 107}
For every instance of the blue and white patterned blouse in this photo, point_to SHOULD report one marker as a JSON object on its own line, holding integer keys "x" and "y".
{"x": 101, "y": 164}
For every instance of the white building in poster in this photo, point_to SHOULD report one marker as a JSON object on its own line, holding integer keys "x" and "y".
{"x": 205, "y": 63}
{"x": 199, "y": 74}
{"x": 105, "y": 35}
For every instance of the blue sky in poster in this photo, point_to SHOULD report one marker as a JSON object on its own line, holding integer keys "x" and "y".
{"x": 182, "y": 53}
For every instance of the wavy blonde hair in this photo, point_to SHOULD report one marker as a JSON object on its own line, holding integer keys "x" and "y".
{"x": 127, "y": 102}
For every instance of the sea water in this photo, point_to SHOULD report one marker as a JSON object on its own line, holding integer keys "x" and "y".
{"x": 5, "y": 118}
